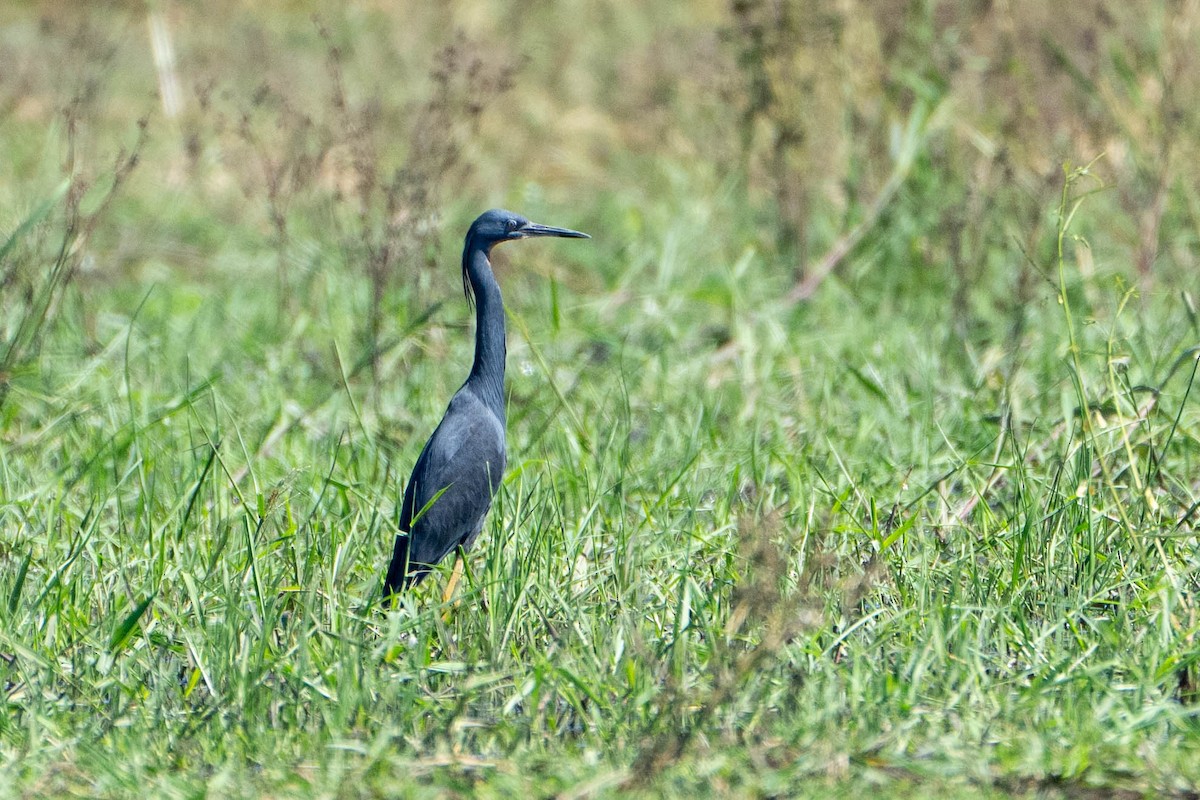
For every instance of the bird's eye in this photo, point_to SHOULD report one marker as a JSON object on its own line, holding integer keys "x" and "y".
{"x": 511, "y": 224}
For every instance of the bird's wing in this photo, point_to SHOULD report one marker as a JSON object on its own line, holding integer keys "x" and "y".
{"x": 464, "y": 460}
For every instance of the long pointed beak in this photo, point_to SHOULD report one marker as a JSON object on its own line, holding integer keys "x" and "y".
{"x": 533, "y": 229}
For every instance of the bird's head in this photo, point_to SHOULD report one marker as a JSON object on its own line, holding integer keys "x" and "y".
{"x": 493, "y": 227}
{"x": 496, "y": 226}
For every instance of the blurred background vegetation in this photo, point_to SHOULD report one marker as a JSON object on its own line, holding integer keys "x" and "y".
{"x": 836, "y": 433}
{"x": 290, "y": 129}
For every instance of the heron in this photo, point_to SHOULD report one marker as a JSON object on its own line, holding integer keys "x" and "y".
{"x": 459, "y": 470}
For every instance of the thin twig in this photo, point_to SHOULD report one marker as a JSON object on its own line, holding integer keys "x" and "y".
{"x": 919, "y": 125}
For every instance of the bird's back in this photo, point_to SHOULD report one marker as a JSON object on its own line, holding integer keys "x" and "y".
{"x": 464, "y": 461}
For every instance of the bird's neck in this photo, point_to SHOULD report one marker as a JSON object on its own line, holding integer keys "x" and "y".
{"x": 487, "y": 373}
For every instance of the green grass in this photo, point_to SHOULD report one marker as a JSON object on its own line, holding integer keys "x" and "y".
{"x": 929, "y": 533}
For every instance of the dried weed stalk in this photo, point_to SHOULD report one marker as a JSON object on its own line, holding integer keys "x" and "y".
{"x": 385, "y": 187}
{"x": 31, "y": 291}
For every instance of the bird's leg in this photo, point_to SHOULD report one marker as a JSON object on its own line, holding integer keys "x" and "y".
{"x": 454, "y": 577}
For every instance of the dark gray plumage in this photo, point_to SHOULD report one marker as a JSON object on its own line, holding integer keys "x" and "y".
{"x": 464, "y": 460}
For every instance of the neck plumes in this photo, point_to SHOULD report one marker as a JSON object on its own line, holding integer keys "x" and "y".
{"x": 487, "y": 373}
